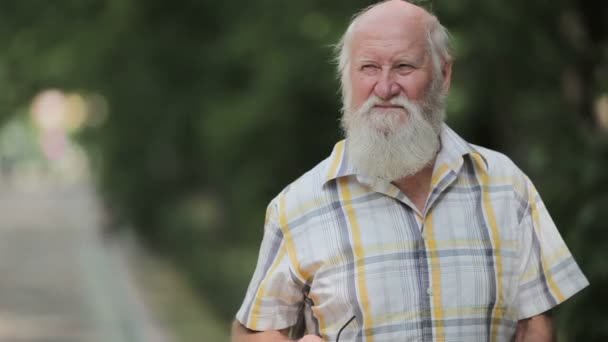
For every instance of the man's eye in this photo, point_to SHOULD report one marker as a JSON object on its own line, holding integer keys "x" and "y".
{"x": 368, "y": 67}
{"x": 404, "y": 66}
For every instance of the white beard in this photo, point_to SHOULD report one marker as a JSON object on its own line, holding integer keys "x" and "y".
{"x": 393, "y": 143}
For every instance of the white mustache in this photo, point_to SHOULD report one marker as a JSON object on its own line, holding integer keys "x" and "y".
{"x": 374, "y": 101}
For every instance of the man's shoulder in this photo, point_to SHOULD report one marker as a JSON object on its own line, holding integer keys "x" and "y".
{"x": 495, "y": 163}
{"x": 498, "y": 163}
{"x": 309, "y": 187}
{"x": 503, "y": 172}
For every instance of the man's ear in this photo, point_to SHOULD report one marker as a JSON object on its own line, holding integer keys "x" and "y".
{"x": 446, "y": 71}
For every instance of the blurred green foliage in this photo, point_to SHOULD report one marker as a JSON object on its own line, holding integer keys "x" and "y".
{"x": 215, "y": 106}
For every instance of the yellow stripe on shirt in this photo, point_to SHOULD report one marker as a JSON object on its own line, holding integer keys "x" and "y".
{"x": 441, "y": 171}
{"x": 359, "y": 256}
{"x": 255, "y": 311}
{"x": 491, "y": 220}
{"x": 291, "y": 250}
{"x": 552, "y": 286}
{"x": 333, "y": 170}
{"x": 435, "y": 279}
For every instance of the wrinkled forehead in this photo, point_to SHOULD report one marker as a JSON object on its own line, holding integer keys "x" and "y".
{"x": 407, "y": 25}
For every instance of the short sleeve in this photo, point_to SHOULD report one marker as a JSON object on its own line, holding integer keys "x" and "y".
{"x": 273, "y": 297}
{"x": 548, "y": 274}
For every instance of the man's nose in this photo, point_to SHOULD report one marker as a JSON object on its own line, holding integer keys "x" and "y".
{"x": 386, "y": 88}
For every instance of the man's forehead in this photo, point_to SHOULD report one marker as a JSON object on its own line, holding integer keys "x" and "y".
{"x": 393, "y": 19}
{"x": 370, "y": 52}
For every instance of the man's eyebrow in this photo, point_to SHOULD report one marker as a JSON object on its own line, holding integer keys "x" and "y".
{"x": 365, "y": 61}
{"x": 410, "y": 58}
{"x": 419, "y": 62}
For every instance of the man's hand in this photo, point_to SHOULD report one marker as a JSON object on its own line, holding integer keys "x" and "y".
{"x": 242, "y": 334}
{"x": 311, "y": 338}
{"x": 535, "y": 329}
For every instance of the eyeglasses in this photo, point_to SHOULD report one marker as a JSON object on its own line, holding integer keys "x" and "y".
{"x": 344, "y": 326}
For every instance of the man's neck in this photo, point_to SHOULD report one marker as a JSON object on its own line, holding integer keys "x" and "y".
{"x": 417, "y": 186}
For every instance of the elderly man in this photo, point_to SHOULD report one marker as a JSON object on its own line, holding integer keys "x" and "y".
{"x": 406, "y": 232}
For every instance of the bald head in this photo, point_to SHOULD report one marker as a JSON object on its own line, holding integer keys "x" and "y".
{"x": 393, "y": 15}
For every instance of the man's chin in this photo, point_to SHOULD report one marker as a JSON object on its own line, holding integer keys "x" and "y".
{"x": 392, "y": 114}
{"x": 396, "y": 110}
{"x": 392, "y": 123}
{"x": 387, "y": 129}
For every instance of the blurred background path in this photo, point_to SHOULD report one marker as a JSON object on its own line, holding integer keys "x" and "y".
{"x": 59, "y": 279}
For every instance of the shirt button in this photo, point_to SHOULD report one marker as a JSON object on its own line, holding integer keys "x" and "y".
{"x": 429, "y": 291}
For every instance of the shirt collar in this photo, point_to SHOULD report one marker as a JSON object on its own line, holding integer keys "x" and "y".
{"x": 339, "y": 165}
{"x": 453, "y": 149}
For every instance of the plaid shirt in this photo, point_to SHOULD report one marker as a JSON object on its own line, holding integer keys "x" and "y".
{"x": 483, "y": 254}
